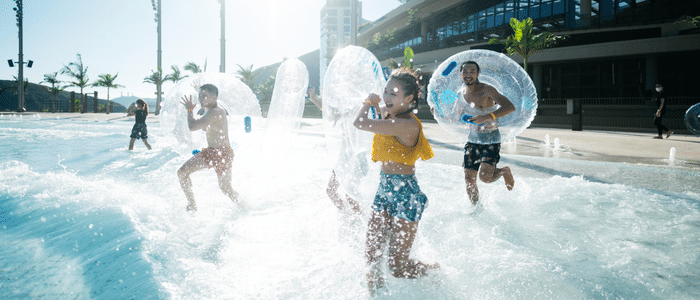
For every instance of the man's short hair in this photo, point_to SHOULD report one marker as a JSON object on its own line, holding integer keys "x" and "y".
{"x": 211, "y": 89}
{"x": 461, "y": 68}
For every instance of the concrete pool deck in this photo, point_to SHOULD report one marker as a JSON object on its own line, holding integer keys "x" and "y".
{"x": 589, "y": 145}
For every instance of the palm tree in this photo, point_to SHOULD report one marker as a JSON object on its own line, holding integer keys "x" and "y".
{"x": 107, "y": 80}
{"x": 523, "y": 42}
{"x": 247, "y": 76}
{"x": 175, "y": 76}
{"x": 155, "y": 78}
{"x": 192, "y": 67}
{"x": 266, "y": 89}
{"x": 13, "y": 85}
{"x": 78, "y": 71}
{"x": 24, "y": 86}
{"x": 408, "y": 58}
{"x": 52, "y": 78}
{"x": 692, "y": 20}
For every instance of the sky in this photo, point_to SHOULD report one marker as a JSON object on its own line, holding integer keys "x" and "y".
{"x": 119, "y": 37}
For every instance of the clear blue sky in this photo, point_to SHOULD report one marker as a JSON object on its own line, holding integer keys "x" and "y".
{"x": 119, "y": 36}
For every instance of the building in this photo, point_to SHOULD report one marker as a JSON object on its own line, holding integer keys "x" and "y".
{"x": 337, "y": 28}
{"x": 615, "y": 53}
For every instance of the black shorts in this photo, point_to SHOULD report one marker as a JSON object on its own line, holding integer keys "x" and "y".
{"x": 475, "y": 154}
{"x": 139, "y": 131}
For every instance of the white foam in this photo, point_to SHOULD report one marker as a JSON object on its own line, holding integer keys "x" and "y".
{"x": 115, "y": 227}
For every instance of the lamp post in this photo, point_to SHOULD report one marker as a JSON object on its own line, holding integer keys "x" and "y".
{"x": 222, "y": 67}
{"x": 20, "y": 62}
{"x": 156, "y": 8}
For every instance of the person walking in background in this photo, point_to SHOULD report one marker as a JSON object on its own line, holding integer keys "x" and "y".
{"x": 140, "y": 130}
{"x": 661, "y": 103}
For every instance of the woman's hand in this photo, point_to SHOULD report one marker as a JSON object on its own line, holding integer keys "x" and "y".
{"x": 373, "y": 99}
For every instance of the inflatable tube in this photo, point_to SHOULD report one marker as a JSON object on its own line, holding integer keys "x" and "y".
{"x": 234, "y": 96}
{"x": 691, "y": 119}
{"x": 445, "y": 96}
{"x": 286, "y": 107}
{"x": 352, "y": 75}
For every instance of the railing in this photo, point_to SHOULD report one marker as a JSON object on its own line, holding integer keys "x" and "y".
{"x": 626, "y": 114}
{"x": 621, "y": 101}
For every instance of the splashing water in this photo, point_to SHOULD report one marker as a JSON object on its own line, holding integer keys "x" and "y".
{"x": 103, "y": 222}
{"x": 672, "y": 154}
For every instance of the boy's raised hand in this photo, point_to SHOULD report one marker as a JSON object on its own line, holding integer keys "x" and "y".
{"x": 188, "y": 103}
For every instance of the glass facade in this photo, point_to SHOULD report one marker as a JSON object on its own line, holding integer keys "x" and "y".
{"x": 335, "y": 29}
{"x": 497, "y": 16}
{"x": 476, "y": 22}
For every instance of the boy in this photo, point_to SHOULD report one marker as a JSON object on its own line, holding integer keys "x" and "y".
{"x": 218, "y": 154}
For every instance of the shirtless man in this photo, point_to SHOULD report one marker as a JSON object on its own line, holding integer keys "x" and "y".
{"x": 218, "y": 154}
{"x": 481, "y": 159}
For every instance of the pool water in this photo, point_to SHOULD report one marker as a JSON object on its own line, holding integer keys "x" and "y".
{"x": 82, "y": 217}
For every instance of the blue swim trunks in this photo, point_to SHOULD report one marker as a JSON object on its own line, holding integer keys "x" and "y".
{"x": 400, "y": 196}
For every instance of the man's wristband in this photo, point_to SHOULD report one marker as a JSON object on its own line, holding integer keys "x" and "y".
{"x": 493, "y": 116}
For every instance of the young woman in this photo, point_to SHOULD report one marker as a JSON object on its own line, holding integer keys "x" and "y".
{"x": 140, "y": 130}
{"x": 399, "y": 203}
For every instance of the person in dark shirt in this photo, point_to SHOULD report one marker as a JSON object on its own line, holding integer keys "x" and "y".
{"x": 661, "y": 103}
{"x": 140, "y": 130}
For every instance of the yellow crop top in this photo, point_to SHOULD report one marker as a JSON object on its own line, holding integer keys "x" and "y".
{"x": 388, "y": 148}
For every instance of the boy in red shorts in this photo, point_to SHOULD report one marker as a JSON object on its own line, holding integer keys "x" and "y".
{"x": 219, "y": 154}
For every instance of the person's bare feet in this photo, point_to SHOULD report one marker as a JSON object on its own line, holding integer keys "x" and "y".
{"x": 353, "y": 205}
{"x": 375, "y": 279}
{"x": 234, "y": 196}
{"x": 429, "y": 267}
{"x": 508, "y": 178}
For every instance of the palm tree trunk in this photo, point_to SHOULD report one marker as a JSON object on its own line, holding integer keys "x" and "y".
{"x": 525, "y": 65}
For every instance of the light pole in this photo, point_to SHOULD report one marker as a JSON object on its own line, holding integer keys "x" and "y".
{"x": 20, "y": 62}
{"x": 156, "y": 8}
{"x": 222, "y": 67}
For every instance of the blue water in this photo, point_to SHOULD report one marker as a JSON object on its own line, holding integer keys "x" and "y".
{"x": 82, "y": 217}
